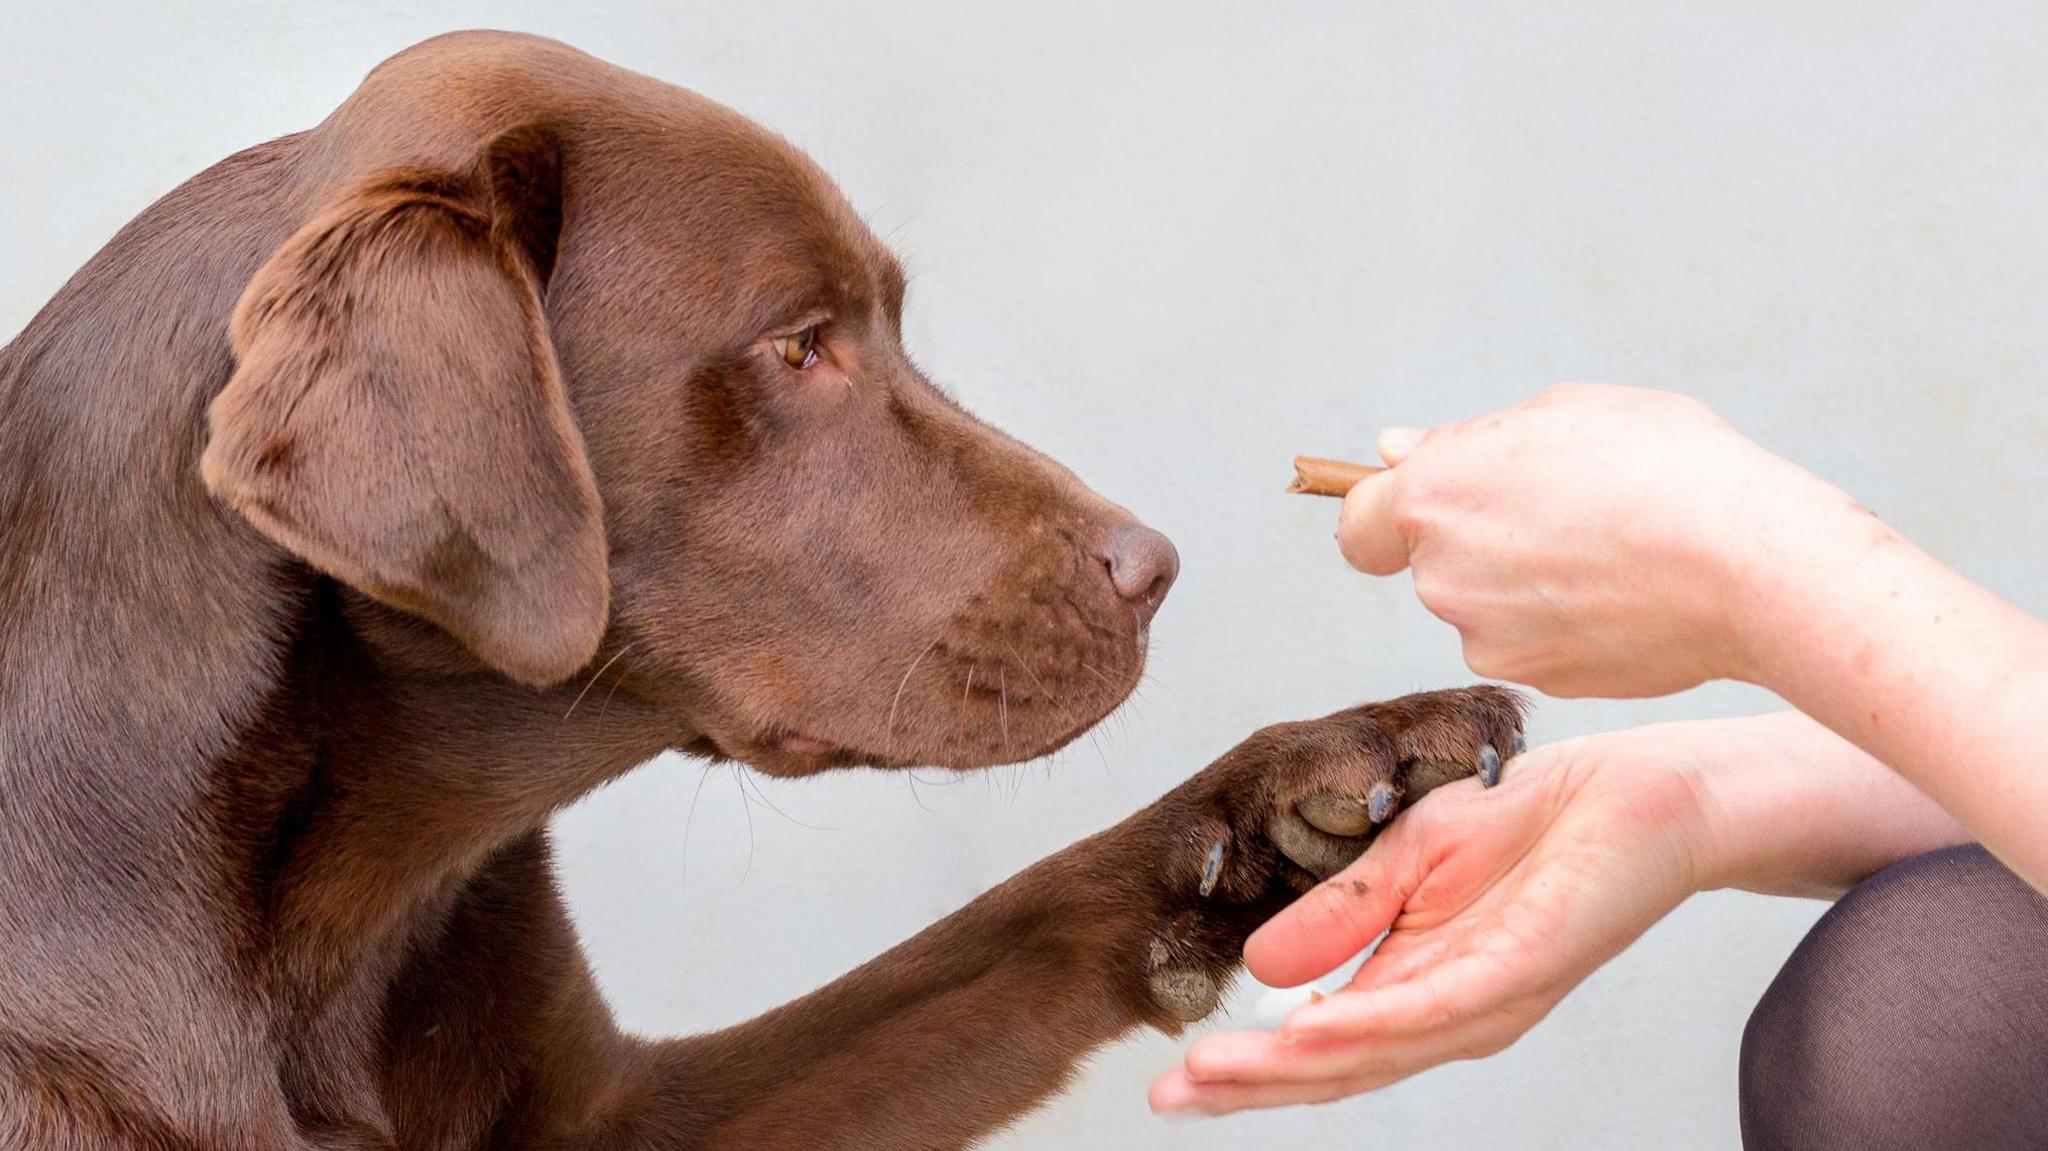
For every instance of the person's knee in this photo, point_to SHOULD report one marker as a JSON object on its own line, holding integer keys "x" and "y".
{"x": 1798, "y": 1047}
{"x": 1881, "y": 1030}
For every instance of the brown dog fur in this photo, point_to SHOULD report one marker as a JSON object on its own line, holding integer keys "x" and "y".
{"x": 338, "y": 478}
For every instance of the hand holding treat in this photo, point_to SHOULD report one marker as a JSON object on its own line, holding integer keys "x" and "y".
{"x": 1618, "y": 542}
{"x": 1595, "y": 540}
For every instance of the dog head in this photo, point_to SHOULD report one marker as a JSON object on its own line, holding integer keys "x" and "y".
{"x": 571, "y": 372}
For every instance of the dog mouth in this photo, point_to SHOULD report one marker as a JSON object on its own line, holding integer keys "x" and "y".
{"x": 1020, "y": 729}
{"x": 990, "y": 688}
{"x": 790, "y": 753}
{"x": 797, "y": 743}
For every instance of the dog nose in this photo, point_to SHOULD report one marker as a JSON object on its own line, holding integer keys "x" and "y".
{"x": 1142, "y": 565}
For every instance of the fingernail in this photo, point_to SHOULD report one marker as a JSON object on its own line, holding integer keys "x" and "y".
{"x": 1397, "y": 443}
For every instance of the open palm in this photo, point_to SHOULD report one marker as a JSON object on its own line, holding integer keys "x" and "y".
{"x": 1495, "y": 904}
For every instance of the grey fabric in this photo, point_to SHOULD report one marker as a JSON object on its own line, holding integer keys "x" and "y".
{"x": 1914, "y": 1015}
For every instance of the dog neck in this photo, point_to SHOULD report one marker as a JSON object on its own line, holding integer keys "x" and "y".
{"x": 406, "y": 779}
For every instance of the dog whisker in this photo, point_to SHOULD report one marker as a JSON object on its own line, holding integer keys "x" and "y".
{"x": 747, "y": 777}
{"x": 1097, "y": 745}
{"x": 1110, "y": 694}
{"x": 689, "y": 821}
{"x": 914, "y": 796}
{"x": 1049, "y": 696}
{"x": 748, "y": 809}
{"x": 625, "y": 669}
{"x": 889, "y": 736}
{"x": 595, "y": 676}
{"x": 1003, "y": 704}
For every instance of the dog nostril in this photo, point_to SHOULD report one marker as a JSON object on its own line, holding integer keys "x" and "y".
{"x": 1142, "y": 565}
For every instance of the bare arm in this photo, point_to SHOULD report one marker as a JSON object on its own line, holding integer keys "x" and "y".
{"x": 1619, "y": 542}
{"x": 1791, "y": 808}
{"x": 1928, "y": 672}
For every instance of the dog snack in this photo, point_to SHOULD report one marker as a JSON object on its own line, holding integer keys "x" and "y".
{"x": 1316, "y": 477}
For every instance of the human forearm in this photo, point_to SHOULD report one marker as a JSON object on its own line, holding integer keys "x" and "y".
{"x": 1787, "y": 807}
{"x": 1934, "y": 676}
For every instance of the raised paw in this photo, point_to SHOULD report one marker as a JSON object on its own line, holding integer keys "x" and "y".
{"x": 1295, "y": 804}
{"x": 1339, "y": 779}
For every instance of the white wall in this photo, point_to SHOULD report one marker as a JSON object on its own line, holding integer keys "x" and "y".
{"x": 1174, "y": 244}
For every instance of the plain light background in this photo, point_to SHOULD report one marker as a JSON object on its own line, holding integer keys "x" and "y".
{"x": 1174, "y": 244}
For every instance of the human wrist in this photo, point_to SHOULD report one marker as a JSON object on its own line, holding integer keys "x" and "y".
{"x": 1788, "y": 807}
{"x": 1798, "y": 545}
{"x": 1739, "y": 822}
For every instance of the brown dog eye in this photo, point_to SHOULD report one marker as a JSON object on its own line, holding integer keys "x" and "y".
{"x": 799, "y": 350}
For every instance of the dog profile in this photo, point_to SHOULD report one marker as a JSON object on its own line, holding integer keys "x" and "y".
{"x": 331, "y": 484}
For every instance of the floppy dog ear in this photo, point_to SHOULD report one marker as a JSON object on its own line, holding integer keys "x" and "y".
{"x": 397, "y": 417}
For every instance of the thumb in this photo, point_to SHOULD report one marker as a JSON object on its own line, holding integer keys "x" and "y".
{"x": 1336, "y": 920}
{"x": 1365, "y": 531}
{"x": 1397, "y": 444}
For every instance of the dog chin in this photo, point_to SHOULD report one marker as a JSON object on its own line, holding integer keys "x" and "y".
{"x": 793, "y": 755}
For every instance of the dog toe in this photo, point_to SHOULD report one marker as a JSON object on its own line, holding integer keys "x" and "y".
{"x": 1312, "y": 849}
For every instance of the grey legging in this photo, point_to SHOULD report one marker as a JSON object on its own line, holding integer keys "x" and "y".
{"x": 1914, "y": 1015}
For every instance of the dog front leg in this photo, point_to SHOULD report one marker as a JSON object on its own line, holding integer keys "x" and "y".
{"x": 953, "y": 1033}
{"x": 969, "y": 1024}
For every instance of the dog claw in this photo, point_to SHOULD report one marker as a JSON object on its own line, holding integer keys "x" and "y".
{"x": 1520, "y": 745}
{"x": 1489, "y": 765}
{"x": 1212, "y": 868}
{"x": 1380, "y": 801}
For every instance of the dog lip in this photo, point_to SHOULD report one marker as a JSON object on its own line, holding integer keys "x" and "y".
{"x": 798, "y": 743}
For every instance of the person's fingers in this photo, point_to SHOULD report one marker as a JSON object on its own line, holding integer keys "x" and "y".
{"x": 1397, "y": 444}
{"x": 1175, "y": 1094}
{"x": 1264, "y": 1070}
{"x": 1440, "y": 999}
{"x": 1265, "y": 1057}
{"x": 1402, "y": 956}
{"x": 1253, "y": 1057}
{"x": 1366, "y": 533}
{"x": 1336, "y": 919}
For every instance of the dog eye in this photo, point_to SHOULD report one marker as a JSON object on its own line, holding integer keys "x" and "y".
{"x": 799, "y": 349}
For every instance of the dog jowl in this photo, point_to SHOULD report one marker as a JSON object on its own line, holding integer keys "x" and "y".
{"x": 389, "y": 485}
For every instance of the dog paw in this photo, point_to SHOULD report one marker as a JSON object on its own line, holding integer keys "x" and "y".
{"x": 1295, "y": 804}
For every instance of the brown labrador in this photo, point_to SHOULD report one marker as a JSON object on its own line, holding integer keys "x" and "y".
{"x": 390, "y": 485}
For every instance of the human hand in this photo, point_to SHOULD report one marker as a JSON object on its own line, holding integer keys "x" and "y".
{"x": 1497, "y": 904}
{"x": 1595, "y": 540}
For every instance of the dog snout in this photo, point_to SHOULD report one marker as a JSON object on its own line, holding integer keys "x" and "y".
{"x": 1142, "y": 565}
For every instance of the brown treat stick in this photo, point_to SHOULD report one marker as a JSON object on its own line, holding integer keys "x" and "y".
{"x": 1314, "y": 477}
